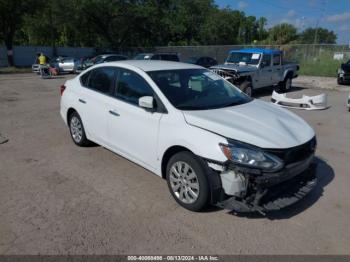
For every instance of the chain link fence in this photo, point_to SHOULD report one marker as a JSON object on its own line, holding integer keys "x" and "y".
{"x": 318, "y": 60}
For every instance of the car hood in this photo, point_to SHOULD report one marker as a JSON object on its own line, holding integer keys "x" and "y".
{"x": 257, "y": 123}
{"x": 236, "y": 67}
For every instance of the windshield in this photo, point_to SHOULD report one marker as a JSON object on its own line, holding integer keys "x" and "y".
{"x": 248, "y": 58}
{"x": 197, "y": 89}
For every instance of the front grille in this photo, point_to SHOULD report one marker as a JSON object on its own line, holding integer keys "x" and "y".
{"x": 295, "y": 154}
{"x": 224, "y": 73}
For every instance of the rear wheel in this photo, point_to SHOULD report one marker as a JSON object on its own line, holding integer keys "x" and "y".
{"x": 77, "y": 131}
{"x": 187, "y": 181}
{"x": 286, "y": 85}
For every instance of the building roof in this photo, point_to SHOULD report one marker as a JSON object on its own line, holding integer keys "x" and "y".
{"x": 257, "y": 50}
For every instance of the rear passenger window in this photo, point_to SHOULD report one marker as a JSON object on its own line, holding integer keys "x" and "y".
{"x": 85, "y": 78}
{"x": 101, "y": 79}
{"x": 276, "y": 59}
{"x": 131, "y": 86}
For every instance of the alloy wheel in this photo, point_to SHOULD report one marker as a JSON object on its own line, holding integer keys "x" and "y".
{"x": 184, "y": 182}
{"x": 76, "y": 129}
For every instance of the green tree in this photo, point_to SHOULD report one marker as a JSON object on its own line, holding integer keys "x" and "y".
{"x": 262, "y": 33}
{"x": 282, "y": 34}
{"x": 11, "y": 20}
{"x": 222, "y": 27}
{"x": 323, "y": 36}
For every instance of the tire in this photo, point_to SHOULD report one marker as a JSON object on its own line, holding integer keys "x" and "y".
{"x": 286, "y": 85}
{"x": 193, "y": 184}
{"x": 77, "y": 131}
{"x": 339, "y": 81}
{"x": 247, "y": 88}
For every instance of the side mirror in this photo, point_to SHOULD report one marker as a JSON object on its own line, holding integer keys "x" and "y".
{"x": 146, "y": 102}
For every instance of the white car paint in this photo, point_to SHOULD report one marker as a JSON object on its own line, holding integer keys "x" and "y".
{"x": 318, "y": 102}
{"x": 144, "y": 137}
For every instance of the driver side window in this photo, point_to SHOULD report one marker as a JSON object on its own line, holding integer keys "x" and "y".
{"x": 266, "y": 60}
{"x": 131, "y": 86}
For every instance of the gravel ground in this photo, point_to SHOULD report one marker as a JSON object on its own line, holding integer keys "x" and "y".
{"x": 57, "y": 198}
{"x": 320, "y": 82}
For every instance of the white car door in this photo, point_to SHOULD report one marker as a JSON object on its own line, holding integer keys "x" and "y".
{"x": 94, "y": 99}
{"x": 132, "y": 130}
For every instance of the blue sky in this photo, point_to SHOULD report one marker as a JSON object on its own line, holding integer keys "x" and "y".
{"x": 330, "y": 14}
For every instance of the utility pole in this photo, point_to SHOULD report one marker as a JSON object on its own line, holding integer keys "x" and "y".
{"x": 323, "y": 9}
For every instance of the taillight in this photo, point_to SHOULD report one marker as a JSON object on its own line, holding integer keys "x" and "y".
{"x": 62, "y": 88}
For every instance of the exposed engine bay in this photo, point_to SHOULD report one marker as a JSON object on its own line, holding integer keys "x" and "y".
{"x": 252, "y": 190}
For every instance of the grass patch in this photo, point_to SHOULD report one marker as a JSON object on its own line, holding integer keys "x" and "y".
{"x": 320, "y": 67}
{"x": 15, "y": 70}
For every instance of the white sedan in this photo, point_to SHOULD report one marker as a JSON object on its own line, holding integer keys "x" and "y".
{"x": 211, "y": 142}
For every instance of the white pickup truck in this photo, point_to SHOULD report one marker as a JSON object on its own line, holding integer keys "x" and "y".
{"x": 253, "y": 68}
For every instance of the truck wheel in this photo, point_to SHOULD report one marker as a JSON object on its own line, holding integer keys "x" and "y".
{"x": 187, "y": 181}
{"x": 286, "y": 85}
{"x": 339, "y": 81}
{"x": 247, "y": 88}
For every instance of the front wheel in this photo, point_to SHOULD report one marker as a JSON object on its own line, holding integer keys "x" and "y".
{"x": 339, "y": 81}
{"x": 247, "y": 88}
{"x": 187, "y": 181}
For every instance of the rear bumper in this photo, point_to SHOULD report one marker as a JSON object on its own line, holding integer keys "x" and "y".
{"x": 274, "y": 191}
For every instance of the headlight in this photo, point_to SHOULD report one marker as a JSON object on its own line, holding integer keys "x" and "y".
{"x": 250, "y": 156}
{"x": 340, "y": 71}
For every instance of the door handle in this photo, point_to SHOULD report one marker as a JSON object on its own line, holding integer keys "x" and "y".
{"x": 82, "y": 101}
{"x": 270, "y": 70}
{"x": 113, "y": 113}
{"x": 279, "y": 69}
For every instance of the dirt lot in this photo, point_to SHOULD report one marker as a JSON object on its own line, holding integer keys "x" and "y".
{"x": 57, "y": 198}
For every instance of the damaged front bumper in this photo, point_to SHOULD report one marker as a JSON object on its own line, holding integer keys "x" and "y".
{"x": 272, "y": 191}
{"x": 318, "y": 102}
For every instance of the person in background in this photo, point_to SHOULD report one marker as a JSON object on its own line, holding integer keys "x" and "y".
{"x": 42, "y": 59}
{"x": 44, "y": 67}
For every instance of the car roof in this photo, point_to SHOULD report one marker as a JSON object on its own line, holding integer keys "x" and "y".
{"x": 155, "y": 65}
{"x": 257, "y": 50}
{"x": 160, "y": 53}
{"x": 107, "y": 55}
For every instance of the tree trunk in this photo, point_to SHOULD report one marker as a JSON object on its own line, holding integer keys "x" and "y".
{"x": 9, "y": 48}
